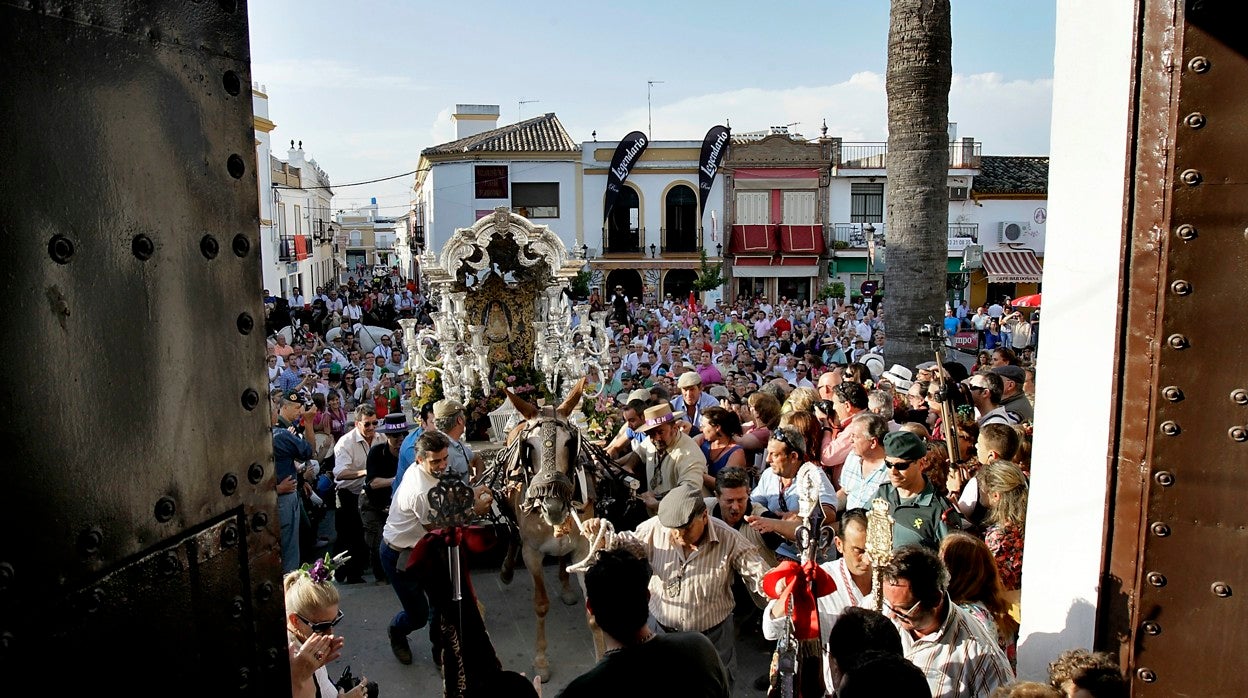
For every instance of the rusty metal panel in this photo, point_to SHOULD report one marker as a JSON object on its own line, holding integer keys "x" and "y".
{"x": 140, "y": 544}
{"x": 1188, "y": 406}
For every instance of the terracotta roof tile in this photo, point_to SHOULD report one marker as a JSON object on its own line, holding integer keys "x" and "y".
{"x": 542, "y": 134}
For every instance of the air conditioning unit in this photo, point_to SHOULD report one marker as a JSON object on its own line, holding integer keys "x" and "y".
{"x": 958, "y": 193}
{"x": 1012, "y": 231}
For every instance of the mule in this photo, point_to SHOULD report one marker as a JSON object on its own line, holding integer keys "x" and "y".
{"x": 546, "y": 471}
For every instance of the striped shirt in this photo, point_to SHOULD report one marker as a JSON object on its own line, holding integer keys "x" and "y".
{"x": 694, "y": 592}
{"x": 961, "y": 659}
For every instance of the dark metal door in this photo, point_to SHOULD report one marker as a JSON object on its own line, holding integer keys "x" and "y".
{"x": 1177, "y": 574}
{"x": 140, "y": 538}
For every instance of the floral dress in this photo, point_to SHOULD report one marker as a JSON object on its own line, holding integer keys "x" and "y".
{"x": 1006, "y": 543}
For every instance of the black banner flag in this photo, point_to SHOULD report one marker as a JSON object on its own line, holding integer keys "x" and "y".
{"x": 627, "y": 153}
{"x": 714, "y": 150}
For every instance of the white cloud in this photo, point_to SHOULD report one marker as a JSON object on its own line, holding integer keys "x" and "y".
{"x": 443, "y": 128}
{"x": 1008, "y": 117}
{"x": 323, "y": 74}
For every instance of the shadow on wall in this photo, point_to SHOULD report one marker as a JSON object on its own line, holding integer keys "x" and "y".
{"x": 1038, "y": 649}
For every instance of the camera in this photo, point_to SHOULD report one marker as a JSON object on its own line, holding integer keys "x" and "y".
{"x": 347, "y": 681}
{"x": 930, "y": 331}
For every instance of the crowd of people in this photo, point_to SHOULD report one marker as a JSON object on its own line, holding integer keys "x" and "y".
{"x": 722, "y": 406}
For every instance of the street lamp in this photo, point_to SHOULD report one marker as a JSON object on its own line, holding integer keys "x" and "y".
{"x": 652, "y": 250}
{"x": 584, "y": 251}
{"x": 719, "y": 249}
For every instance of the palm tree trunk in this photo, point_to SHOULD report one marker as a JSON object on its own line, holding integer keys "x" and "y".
{"x": 917, "y": 83}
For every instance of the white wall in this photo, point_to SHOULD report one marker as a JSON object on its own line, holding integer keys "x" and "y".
{"x": 268, "y": 234}
{"x": 450, "y": 187}
{"x": 992, "y": 212}
{"x": 1068, "y": 488}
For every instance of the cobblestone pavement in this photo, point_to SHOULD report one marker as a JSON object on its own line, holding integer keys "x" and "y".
{"x": 509, "y": 618}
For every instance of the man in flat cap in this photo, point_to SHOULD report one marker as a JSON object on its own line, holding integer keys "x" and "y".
{"x": 694, "y": 557}
{"x": 692, "y": 400}
{"x": 920, "y": 514}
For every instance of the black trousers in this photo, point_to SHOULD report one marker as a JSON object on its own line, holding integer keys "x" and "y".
{"x": 350, "y": 536}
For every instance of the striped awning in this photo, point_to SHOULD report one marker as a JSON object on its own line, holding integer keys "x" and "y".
{"x": 1012, "y": 267}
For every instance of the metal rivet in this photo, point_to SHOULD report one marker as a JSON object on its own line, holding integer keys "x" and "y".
{"x": 60, "y": 249}
{"x": 229, "y": 536}
{"x": 1181, "y": 287}
{"x": 89, "y": 541}
{"x": 259, "y": 520}
{"x": 1164, "y": 478}
{"x": 1177, "y": 341}
{"x": 1146, "y": 675}
{"x": 233, "y": 84}
{"x": 91, "y": 602}
{"x": 6, "y": 575}
{"x": 270, "y": 657}
{"x": 165, "y": 508}
{"x": 1199, "y": 64}
{"x": 169, "y": 564}
{"x": 1157, "y": 579}
{"x": 245, "y": 323}
{"x": 142, "y": 247}
{"x": 1160, "y": 529}
{"x": 241, "y": 245}
{"x": 1191, "y": 177}
{"x": 1170, "y": 428}
{"x": 1239, "y": 396}
{"x": 244, "y": 678}
{"x": 265, "y": 592}
{"x": 208, "y": 247}
{"x": 236, "y": 606}
{"x": 1195, "y": 120}
{"x": 1151, "y": 628}
{"x": 1186, "y": 232}
{"x": 235, "y": 166}
{"x": 1172, "y": 393}
{"x": 229, "y": 484}
{"x": 250, "y": 399}
{"x": 1221, "y": 589}
{"x": 255, "y": 473}
{"x": 1238, "y": 434}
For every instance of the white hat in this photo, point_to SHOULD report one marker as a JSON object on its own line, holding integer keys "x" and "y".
{"x": 874, "y": 363}
{"x": 899, "y": 376}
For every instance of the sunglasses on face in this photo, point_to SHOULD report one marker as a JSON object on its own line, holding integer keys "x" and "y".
{"x": 906, "y": 615}
{"x": 899, "y": 467}
{"x": 976, "y": 388}
{"x": 370, "y": 423}
{"x": 784, "y": 438}
{"x": 322, "y": 628}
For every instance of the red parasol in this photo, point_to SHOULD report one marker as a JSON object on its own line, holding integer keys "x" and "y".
{"x": 1032, "y": 301}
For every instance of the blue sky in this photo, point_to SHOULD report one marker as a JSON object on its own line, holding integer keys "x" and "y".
{"x": 367, "y": 85}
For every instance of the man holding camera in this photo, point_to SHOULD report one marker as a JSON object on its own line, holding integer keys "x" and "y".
{"x": 291, "y": 443}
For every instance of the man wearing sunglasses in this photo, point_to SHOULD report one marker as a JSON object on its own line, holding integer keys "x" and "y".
{"x": 959, "y": 656}
{"x": 920, "y": 515}
{"x": 350, "y": 467}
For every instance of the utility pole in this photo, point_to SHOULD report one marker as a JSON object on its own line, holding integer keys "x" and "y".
{"x": 649, "y": 116}
{"x": 520, "y": 105}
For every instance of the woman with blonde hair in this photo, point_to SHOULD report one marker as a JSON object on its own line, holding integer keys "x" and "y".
{"x": 800, "y": 400}
{"x": 975, "y": 585}
{"x": 311, "y": 613}
{"x": 1003, "y": 489}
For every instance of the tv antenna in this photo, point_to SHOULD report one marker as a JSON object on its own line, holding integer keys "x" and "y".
{"x": 649, "y": 116}
{"x": 520, "y": 105}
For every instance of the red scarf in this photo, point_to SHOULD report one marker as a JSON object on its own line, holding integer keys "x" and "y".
{"x": 802, "y": 584}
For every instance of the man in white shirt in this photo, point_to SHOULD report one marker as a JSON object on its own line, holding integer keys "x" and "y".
{"x": 353, "y": 311}
{"x": 995, "y": 311}
{"x": 405, "y": 526}
{"x": 382, "y": 350}
{"x": 296, "y": 299}
{"x": 350, "y": 467}
{"x": 852, "y": 574}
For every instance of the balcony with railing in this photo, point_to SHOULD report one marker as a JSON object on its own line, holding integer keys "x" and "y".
{"x": 963, "y": 155}
{"x": 293, "y": 248}
{"x": 853, "y": 236}
{"x": 623, "y": 240}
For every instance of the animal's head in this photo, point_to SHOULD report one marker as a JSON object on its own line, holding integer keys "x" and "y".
{"x": 548, "y": 448}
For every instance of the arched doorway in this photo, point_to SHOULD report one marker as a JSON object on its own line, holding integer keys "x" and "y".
{"x": 628, "y": 278}
{"x": 679, "y": 282}
{"x": 680, "y": 219}
{"x": 624, "y": 222}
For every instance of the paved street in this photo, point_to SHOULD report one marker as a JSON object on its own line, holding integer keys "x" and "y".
{"x": 509, "y": 618}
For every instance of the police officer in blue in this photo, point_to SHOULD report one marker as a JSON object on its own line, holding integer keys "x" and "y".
{"x": 293, "y": 440}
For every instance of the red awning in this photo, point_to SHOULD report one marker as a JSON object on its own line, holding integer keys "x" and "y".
{"x": 1012, "y": 267}
{"x": 752, "y": 239}
{"x": 802, "y": 239}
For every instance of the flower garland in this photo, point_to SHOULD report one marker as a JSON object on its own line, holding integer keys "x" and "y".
{"x": 603, "y": 417}
{"x": 322, "y": 571}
